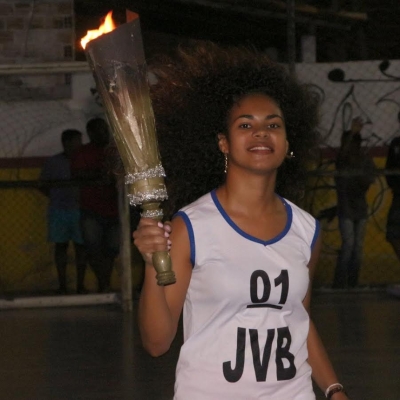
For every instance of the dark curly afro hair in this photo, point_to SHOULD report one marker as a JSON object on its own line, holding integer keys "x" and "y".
{"x": 192, "y": 98}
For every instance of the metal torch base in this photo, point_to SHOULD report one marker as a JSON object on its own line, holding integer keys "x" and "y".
{"x": 166, "y": 278}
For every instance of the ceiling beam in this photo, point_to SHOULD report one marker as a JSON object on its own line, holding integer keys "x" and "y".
{"x": 319, "y": 19}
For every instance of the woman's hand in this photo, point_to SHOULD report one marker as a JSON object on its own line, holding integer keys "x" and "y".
{"x": 151, "y": 236}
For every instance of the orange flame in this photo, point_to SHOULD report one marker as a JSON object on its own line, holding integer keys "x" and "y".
{"x": 107, "y": 26}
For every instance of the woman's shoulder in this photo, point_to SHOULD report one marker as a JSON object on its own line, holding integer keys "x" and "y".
{"x": 300, "y": 213}
{"x": 304, "y": 224}
{"x": 199, "y": 203}
{"x": 199, "y": 208}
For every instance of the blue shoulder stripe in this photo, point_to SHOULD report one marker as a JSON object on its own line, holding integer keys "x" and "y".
{"x": 189, "y": 228}
{"x": 316, "y": 233}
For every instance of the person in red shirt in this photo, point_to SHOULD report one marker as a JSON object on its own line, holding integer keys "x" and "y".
{"x": 99, "y": 203}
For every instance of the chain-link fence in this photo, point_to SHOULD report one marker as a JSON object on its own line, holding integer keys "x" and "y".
{"x": 380, "y": 265}
{"x": 370, "y": 90}
{"x": 33, "y": 114}
{"x": 30, "y": 130}
{"x": 27, "y": 258}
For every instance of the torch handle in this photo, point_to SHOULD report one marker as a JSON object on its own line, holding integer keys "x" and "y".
{"x": 161, "y": 259}
{"x": 162, "y": 263}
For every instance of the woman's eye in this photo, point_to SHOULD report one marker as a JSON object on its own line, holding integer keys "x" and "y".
{"x": 245, "y": 126}
{"x": 273, "y": 126}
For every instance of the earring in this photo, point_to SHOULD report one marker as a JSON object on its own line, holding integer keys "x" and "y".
{"x": 226, "y": 163}
{"x": 290, "y": 155}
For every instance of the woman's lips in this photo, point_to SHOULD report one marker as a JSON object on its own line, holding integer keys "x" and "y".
{"x": 261, "y": 148}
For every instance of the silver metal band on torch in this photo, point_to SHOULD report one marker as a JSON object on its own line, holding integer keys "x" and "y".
{"x": 159, "y": 194}
{"x": 152, "y": 214}
{"x": 156, "y": 172}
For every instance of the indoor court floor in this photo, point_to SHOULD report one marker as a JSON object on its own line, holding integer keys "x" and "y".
{"x": 94, "y": 353}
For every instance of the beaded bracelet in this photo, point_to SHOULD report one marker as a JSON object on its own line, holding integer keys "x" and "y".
{"x": 332, "y": 389}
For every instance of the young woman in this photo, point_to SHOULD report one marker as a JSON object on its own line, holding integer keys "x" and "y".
{"x": 243, "y": 254}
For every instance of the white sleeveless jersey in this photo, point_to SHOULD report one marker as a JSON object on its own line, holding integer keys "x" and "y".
{"x": 245, "y": 327}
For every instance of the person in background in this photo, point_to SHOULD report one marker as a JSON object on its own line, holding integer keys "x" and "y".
{"x": 356, "y": 171}
{"x": 63, "y": 214}
{"x": 98, "y": 202}
{"x": 393, "y": 181}
{"x": 235, "y": 133}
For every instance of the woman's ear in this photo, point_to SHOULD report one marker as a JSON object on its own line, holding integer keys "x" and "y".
{"x": 223, "y": 143}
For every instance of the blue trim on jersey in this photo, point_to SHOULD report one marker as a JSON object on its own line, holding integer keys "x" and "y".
{"x": 316, "y": 233}
{"x": 246, "y": 235}
{"x": 189, "y": 228}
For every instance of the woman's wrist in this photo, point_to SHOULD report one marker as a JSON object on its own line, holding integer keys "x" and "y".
{"x": 334, "y": 389}
{"x": 340, "y": 396}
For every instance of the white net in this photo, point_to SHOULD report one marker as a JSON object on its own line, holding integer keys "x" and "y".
{"x": 35, "y": 109}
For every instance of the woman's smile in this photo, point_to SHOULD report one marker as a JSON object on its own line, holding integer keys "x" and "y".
{"x": 261, "y": 149}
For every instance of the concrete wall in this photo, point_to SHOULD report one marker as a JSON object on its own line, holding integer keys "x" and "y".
{"x": 33, "y": 32}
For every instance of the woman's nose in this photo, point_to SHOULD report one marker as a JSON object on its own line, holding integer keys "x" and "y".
{"x": 261, "y": 132}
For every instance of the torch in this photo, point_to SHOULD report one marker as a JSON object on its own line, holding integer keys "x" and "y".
{"x": 118, "y": 64}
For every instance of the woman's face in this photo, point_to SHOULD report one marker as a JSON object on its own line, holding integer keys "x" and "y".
{"x": 256, "y": 137}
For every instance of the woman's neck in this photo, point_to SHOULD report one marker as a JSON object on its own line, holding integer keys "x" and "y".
{"x": 250, "y": 194}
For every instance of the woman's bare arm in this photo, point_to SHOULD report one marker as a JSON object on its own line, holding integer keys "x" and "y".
{"x": 322, "y": 369}
{"x": 160, "y": 306}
